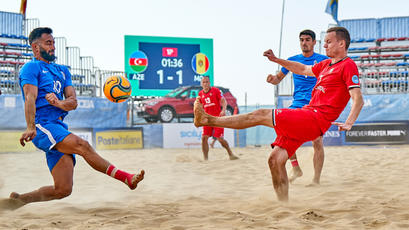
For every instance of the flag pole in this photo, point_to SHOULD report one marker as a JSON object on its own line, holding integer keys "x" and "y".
{"x": 276, "y": 93}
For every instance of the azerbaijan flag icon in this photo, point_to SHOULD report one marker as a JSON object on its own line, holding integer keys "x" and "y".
{"x": 200, "y": 63}
{"x": 138, "y": 61}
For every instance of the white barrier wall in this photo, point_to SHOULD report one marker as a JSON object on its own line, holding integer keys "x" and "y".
{"x": 186, "y": 135}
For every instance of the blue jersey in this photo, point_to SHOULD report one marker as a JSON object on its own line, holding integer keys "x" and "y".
{"x": 49, "y": 78}
{"x": 303, "y": 85}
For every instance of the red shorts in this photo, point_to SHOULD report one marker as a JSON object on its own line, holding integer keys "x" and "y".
{"x": 213, "y": 131}
{"x": 296, "y": 126}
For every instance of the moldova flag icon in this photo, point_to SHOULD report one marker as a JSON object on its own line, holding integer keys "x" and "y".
{"x": 200, "y": 63}
{"x": 138, "y": 61}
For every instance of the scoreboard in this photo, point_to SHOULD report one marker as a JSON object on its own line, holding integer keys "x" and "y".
{"x": 157, "y": 65}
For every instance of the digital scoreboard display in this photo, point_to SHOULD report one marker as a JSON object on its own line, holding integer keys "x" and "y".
{"x": 157, "y": 65}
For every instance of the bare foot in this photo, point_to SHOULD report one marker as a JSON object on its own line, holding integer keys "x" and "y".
{"x": 136, "y": 178}
{"x": 316, "y": 181}
{"x": 313, "y": 184}
{"x": 295, "y": 173}
{"x": 233, "y": 157}
{"x": 11, "y": 203}
{"x": 200, "y": 118}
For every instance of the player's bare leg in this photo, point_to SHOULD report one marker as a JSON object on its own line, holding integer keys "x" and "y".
{"x": 62, "y": 174}
{"x": 205, "y": 147}
{"x": 276, "y": 162}
{"x": 225, "y": 145}
{"x": 241, "y": 121}
{"x": 74, "y": 144}
{"x": 318, "y": 159}
{"x": 296, "y": 169}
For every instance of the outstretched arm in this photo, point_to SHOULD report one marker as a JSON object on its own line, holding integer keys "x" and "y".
{"x": 357, "y": 104}
{"x": 70, "y": 102}
{"x": 30, "y": 96}
{"x": 275, "y": 79}
{"x": 292, "y": 66}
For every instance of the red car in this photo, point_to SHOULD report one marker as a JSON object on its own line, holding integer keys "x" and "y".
{"x": 178, "y": 104}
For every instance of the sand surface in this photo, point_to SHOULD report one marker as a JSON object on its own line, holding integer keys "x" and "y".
{"x": 361, "y": 188}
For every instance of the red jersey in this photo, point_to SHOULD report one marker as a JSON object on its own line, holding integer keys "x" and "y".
{"x": 331, "y": 93}
{"x": 211, "y": 101}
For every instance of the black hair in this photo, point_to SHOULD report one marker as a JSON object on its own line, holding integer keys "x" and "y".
{"x": 37, "y": 32}
{"x": 309, "y": 33}
{"x": 341, "y": 34}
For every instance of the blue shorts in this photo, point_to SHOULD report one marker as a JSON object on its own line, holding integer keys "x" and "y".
{"x": 48, "y": 135}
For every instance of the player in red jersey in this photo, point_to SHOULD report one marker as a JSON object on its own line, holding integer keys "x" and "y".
{"x": 337, "y": 82}
{"x": 214, "y": 104}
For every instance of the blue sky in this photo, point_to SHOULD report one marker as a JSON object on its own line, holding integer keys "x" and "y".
{"x": 242, "y": 30}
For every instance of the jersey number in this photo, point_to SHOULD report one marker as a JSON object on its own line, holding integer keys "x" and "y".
{"x": 57, "y": 87}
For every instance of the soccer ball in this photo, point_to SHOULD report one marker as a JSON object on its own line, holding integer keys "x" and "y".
{"x": 117, "y": 89}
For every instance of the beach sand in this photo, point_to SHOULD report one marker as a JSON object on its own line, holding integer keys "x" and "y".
{"x": 361, "y": 188}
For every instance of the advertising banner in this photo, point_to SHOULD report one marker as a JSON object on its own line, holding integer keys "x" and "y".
{"x": 10, "y": 142}
{"x": 186, "y": 135}
{"x": 119, "y": 139}
{"x": 378, "y": 133}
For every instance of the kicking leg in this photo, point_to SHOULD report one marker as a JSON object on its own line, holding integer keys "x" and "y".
{"x": 241, "y": 121}
{"x": 276, "y": 162}
{"x": 74, "y": 144}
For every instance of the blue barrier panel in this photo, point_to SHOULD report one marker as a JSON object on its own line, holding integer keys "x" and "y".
{"x": 12, "y": 112}
{"x": 379, "y": 107}
{"x": 90, "y": 113}
{"x": 152, "y": 135}
{"x": 97, "y": 113}
{"x": 240, "y": 136}
{"x": 259, "y": 135}
{"x": 393, "y": 107}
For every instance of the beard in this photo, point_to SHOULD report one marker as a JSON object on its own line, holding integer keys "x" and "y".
{"x": 46, "y": 56}
{"x": 306, "y": 49}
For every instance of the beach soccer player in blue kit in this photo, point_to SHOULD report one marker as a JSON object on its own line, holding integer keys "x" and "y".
{"x": 48, "y": 96}
{"x": 303, "y": 86}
